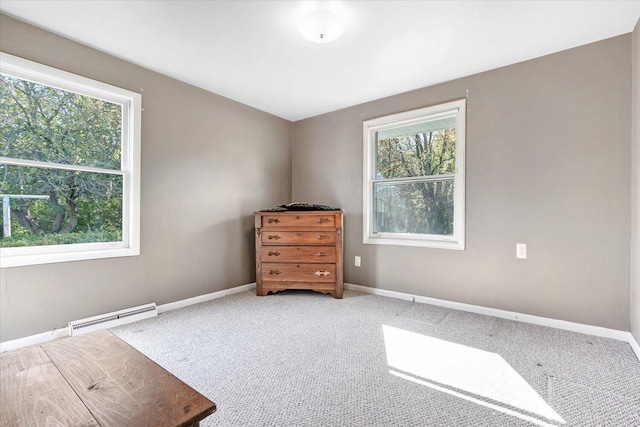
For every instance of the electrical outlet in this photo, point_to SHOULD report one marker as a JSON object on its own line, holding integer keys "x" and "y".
{"x": 521, "y": 250}
{"x": 357, "y": 261}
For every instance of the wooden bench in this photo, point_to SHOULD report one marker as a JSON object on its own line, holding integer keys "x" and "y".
{"x": 93, "y": 380}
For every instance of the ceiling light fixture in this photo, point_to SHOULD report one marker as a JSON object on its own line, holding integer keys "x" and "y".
{"x": 321, "y": 25}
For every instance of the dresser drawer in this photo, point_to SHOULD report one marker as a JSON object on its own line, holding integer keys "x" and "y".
{"x": 282, "y": 272}
{"x": 298, "y": 237}
{"x": 298, "y": 254}
{"x": 276, "y": 220}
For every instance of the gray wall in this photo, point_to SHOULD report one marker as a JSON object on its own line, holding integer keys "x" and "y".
{"x": 207, "y": 164}
{"x": 548, "y": 164}
{"x": 635, "y": 256}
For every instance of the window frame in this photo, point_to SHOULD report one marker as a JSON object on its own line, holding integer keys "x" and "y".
{"x": 455, "y": 241}
{"x": 131, "y": 103}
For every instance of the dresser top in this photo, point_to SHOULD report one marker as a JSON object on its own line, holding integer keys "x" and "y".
{"x": 332, "y": 212}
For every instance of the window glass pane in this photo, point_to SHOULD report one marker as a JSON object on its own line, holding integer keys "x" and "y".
{"x": 51, "y": 207}
{"x": 422, "y": 149}
{"x": 38, "y": 122}
{"x": 415, "y": 208}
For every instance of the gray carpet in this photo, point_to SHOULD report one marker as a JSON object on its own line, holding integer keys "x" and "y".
{"x": 304, "y": 359}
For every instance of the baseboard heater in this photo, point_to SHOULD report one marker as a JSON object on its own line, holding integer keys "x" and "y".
{"x": 109, "y": 320}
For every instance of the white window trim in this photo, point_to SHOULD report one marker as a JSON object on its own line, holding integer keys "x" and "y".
{"x": 370, "y": 127}
{"x": 131, "y": 103}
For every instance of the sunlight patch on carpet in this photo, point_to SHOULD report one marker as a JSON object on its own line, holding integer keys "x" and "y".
{"x": 465, "y": 372}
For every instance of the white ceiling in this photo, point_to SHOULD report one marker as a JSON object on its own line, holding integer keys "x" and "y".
{"x": 250, "y": 51}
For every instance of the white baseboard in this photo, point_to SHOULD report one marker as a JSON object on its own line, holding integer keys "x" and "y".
{"x": 634, "y": 346}
{"x": 381, "y": 292}
{"x": 203, "y": 298}
{"x": 34, "y": 339}
{"x": 64, "y": 332}
{"x": 504, "y": 314}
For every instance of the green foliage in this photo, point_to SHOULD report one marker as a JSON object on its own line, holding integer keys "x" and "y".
{"x": 422, "y": 154}
{"x": 51, "y": 125}
{"x": 46, "y": 124}
{"x": 416, "y": 207}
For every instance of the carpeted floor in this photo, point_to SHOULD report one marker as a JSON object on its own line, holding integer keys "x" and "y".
{"x": 304, "y": 359}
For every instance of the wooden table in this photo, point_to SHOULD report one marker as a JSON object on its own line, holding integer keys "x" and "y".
{"x": 93, "y": 380}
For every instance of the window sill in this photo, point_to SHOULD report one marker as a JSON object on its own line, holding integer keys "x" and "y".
{"x": 9, "y": 258}
{"x": 415, "y": 242}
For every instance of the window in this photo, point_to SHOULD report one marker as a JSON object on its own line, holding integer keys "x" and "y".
{"x": 69, "y": 166}
{"x": 414, "y": 178}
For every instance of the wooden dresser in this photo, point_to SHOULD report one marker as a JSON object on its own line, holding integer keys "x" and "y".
{"x": 299, "y": 250}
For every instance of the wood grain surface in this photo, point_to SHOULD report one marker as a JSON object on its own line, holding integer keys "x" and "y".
{"x": 298, "y": 237}
{"x": 122, "y": 387}
{"x": 280, "y": 272}
{"x": 34, "y": 393}
{"x": 311, "y": 254}
{"x": 298, "y": 220}
{"x": 325, "y": 288}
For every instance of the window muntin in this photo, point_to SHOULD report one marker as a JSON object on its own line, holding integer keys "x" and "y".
{"x": 69, "y": 166}
{"x": 414, "y": 178}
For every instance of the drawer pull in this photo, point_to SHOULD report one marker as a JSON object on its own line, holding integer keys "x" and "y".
{"x": 272, "y": 237}
{"x": 322, "y": 254}
{"x": 323, "y": 220}
{"x": 298, "y": 234}
{"x": 276, "y": 253}
{"x": 322, "y": 273}
{"x": 274, "y": 271}
{"x": 274, "y": 220}
{"x": 323, "y": 237}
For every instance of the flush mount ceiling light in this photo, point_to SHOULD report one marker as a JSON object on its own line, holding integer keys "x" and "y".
{"x": 321, "y": 26}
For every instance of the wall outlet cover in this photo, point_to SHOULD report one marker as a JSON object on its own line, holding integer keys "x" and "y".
{"x": 521, "y": 250}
